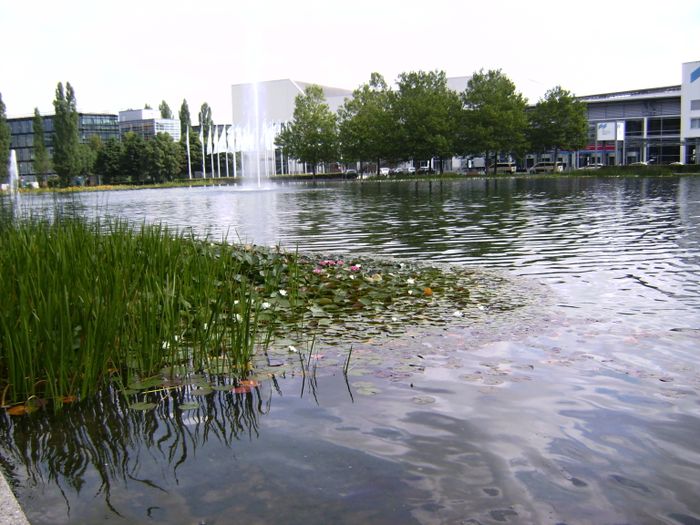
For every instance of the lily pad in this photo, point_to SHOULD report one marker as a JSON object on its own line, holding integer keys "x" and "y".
{"x": 202, "y": 391}
{"x": 365, "y": 388}
{"x": 188, "y": 406}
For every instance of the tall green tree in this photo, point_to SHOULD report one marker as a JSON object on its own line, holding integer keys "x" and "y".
{"x": 165, "y": 111}
{"x": 366, "y": 123}
{"x": 5, "y": 136}
{"x": 164, "y": 158}
{"x": 312, "y": 135}
{"x": 185, "y": 119}
{"x": 426, "y": 112}
{"x": 42, "y": 163}
{"x": 109, "y": 163}
{"x": 205, "y": 119}
{"x": 558, "y": 122}
{"x": 134, "y": 159}
{"x": 66, "y": 155}
{"x": 89, "y": 152}
{"x": 494, "y": 119}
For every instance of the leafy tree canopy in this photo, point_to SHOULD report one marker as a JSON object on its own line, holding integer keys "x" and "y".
{"x": 366, "y": 122}
{"x": 165, "y": 111}
{"x": 426, "y": 112}
{"x": 185, "y": 119}
{"x": 558, "y": 122}
{"x": 312, "y": 135}
{"x": 205, "y": 119}
{"x": 66, "y": 154}
{"x": 42, "y": 163}
{"x": 5, "y": 136}
{"x": 494, "y": 118}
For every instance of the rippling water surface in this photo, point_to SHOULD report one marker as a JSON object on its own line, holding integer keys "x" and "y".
{"x": 583, "y": 411}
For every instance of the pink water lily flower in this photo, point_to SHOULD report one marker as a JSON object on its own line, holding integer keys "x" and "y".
{"x": 355, "y": 268}
{"x": 318, "y": 270}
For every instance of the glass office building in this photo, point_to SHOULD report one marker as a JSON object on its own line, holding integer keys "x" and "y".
{"x": 104, "y": 125}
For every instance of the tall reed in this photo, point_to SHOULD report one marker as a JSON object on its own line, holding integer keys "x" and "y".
{"x": 84, "y": 301}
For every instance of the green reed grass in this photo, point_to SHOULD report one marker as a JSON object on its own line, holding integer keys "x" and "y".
{"x": 83, "y": 302}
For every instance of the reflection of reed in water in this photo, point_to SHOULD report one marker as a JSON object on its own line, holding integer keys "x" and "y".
{"x": 101, "y": 437}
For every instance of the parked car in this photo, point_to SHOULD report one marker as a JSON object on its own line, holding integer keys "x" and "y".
{"x": 592, "y": 166}
{"x": 638, "y": 164}
{"x": 384, "y": 171}
{"x": 351, "y": 173}
{"x": 424, "y": 169}
{"x": 547, "y": 167}
{"x": 410, "y": 169}
{"x": 503, "y": 167}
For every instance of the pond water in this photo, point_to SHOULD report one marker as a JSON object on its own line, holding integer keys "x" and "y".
{"x": 581, "y": 408}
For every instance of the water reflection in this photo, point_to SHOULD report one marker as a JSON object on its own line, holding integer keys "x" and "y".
{"x": 100, "y": 441}
{"x": 587, "y": 413}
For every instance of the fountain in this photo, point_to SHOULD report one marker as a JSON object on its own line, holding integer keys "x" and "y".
{"x": 12, "y": 185}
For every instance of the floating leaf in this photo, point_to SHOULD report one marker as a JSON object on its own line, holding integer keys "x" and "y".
{"x": 18, "y": 410}
{"x": 202, "y": 391}
{"x": 188, "y": 406}
{"x": 142, "y": 406}
{"x": 365, "y": 388}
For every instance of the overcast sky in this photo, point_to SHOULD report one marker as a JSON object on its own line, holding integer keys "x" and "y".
{"x": 120, "y": 55}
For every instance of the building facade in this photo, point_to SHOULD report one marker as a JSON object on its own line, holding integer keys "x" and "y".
{"x": 148, "y": 123}
{"x": 104, "y": 125}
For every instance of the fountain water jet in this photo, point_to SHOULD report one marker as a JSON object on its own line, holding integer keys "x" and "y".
{"x": 13, "y": 181}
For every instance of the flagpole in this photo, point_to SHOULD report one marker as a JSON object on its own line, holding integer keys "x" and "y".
{"x": 218, "y": 154}
{"x": 211, "y": 154}
{"x": 204, "y": 156}
{"x": 226, "y": 150}
{"x": 189, "y": 161}
{"x": 235, "y": 159}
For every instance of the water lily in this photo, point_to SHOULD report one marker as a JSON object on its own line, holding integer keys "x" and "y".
{"x": 355, "y": 268}
{"x": 457, "y": 313}
{"x": 283, "y": 293}
{"x": 293, "y": 349}
{"x": 318, "y": 270}
{"x": 265, "y": 305}
{"x": 410, "y": 281}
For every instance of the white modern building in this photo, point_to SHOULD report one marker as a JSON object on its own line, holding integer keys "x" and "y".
{"x": 690, "y": 113}
{"x": 260, "y": 110}
{"x": 148, "y": 123}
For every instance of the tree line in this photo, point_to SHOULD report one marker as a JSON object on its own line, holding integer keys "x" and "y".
{"x": 130, "y": 159}
{"x": 424, "y": 119}
{"x": 421, "y": 119}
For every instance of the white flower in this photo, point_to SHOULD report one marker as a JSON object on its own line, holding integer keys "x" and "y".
{"x": 293, "y": 348}
{"x": 481, "y": 307}
{"x": 283, "y": 293}
{"x": 239, "y": 318}
{"x": 410, "y": 281}
{"x": 457, "y": 313}
{"x": 265, "y": 305}
{"x": 410, "y": 292}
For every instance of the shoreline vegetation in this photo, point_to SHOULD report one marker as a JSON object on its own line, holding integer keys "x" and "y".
{"x": 609, "y": 171}
{"x": 144, "y": 309}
